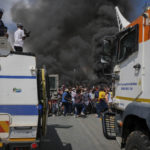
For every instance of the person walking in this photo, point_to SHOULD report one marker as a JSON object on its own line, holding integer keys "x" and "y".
{"x": 78, "y": 103}
{"x": 65, "y": 101}
{"x": 85, "y": 100}
{"x": 97, "y": 100}
{"x": 69, "y": 97}
{"x": 108, "y": 98}
{"x": 73, "y": 94}
{"x": 103, "y": 96}
{"x": 92, "y": 104}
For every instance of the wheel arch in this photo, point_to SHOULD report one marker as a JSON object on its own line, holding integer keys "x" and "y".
{"x": 135, "y": 117}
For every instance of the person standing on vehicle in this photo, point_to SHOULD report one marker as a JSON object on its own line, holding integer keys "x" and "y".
{"x": 19, "y": 37}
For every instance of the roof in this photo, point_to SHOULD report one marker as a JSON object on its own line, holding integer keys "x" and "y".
{"x": 23, "y": 53}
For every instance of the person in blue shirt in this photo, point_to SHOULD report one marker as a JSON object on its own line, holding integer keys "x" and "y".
{"x": 65, "y": 101}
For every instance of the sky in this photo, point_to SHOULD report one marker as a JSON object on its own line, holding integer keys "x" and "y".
{"x": 64, "y": 39}
{"x": 7, "y": 5}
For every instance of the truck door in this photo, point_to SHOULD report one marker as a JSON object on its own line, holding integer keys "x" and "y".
{"x": 129, "y": 84}
{"x": 43, "y": 94}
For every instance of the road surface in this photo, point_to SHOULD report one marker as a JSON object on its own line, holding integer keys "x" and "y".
{"x": 69, "y": 133}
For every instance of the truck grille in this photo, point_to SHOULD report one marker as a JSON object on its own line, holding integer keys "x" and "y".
{"x": 108, "y": 123}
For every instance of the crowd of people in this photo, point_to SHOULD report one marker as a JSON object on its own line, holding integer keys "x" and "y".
{"x": 81, "y": 101}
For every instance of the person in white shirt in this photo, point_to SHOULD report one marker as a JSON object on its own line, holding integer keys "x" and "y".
{"x": 73, "y": 94}
{"x": 19, "y": 38}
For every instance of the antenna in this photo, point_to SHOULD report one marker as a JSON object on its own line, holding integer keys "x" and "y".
{"x": 122, "y": 22}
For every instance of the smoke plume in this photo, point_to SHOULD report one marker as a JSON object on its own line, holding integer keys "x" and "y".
{"x": 66, "y": 34}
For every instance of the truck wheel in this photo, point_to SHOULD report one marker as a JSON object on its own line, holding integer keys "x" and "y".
{"x": 137, "y": 141}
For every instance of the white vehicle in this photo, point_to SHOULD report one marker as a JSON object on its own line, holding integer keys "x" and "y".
{"x": 129, "y": 53}
{"x": 23, "y": 100}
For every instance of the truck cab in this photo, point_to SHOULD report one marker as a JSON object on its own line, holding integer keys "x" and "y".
{"x": 130, "y": 76}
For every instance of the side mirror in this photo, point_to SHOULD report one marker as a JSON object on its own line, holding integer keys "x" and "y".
{"x": 116, "y": 69}
{"x": 116, "y": 77}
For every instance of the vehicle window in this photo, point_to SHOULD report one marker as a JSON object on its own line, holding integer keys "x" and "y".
{"x": 128, "y": 44}
{"x": 52, "y": 81}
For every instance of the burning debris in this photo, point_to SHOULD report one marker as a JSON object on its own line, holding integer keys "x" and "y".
{"x": 67, "y": 34}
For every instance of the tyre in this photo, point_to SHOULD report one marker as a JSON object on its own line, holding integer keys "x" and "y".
{"x": 137, "y": 140}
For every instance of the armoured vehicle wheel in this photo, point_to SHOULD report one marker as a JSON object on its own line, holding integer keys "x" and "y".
{"x": 137, "y": 141}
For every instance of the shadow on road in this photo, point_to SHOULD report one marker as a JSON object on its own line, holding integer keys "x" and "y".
{"x": 60, "y": 126}
{"x": 52, "y": 139}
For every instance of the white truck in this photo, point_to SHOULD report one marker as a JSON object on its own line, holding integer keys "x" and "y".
{"x": 23, "y": 100}
{"x": 129, "y": 54}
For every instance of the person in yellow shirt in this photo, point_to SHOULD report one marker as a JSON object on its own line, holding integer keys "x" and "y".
{"x": 101, "y": 97}
{"x": 102, "y": 103}
{"x": 105, "y": 101}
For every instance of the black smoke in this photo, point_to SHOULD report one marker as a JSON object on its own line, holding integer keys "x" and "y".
{"x": 67, "y": 34}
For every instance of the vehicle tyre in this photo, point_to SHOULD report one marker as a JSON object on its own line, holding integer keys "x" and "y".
{"x": 137, "y": 140}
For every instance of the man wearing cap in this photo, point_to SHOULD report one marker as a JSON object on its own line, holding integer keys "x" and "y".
{"x": 3, "y": 28}
{"x": 19, "y": 37}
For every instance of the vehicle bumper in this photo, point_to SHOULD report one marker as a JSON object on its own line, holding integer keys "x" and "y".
{"x": 12, "y": 145}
